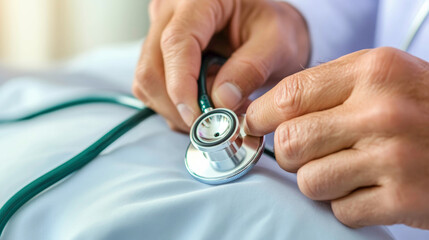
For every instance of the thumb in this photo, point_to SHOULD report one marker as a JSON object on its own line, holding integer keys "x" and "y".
{"x": 244, "y": 72}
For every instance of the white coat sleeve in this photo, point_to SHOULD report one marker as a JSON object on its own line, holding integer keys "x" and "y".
{"x": 338, "y": 27}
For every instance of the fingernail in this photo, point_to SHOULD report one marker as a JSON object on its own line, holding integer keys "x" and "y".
{"x": 186, "y": 113}
{"x": 229, "y": 95}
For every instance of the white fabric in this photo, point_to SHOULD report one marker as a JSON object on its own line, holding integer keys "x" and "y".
{"x": 139, "y": 187}
{"x": 393, "y": 26}
{"x": 339, "y": 27}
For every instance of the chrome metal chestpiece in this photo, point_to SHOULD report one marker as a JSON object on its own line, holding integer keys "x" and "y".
{"x": 220, "y": 151}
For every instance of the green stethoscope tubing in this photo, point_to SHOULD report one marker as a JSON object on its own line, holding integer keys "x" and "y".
{"x": 123, "y": 100}
{"x": 81, "y": 159}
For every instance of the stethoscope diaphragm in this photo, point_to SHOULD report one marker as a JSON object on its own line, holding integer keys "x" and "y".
{"x": 220, "y": 151}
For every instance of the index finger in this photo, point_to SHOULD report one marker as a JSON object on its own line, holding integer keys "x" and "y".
{"x": 314, "y": 89}
{"x": 188, "y": 33}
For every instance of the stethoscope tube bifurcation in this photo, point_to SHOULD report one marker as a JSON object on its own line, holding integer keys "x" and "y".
{"x": 234, "y": 143}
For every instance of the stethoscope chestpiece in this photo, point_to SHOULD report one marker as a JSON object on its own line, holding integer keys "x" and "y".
{"x": 220, "y": 151}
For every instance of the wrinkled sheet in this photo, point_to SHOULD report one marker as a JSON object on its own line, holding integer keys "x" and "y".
{"x": 138, "y": 188}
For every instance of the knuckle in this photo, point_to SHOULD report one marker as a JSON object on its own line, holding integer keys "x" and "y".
{"x": 222, "y": 9}
{"x": 387, "y": 115}
{"x": 217, "y": 10}
{"x": 135, "y": 89}
{"x": 378, "y": 64}
{"x": 146, "y": 78}
{"x": 140, "y": 94}
{"x": 171, "y": 37}
{"x": 384, "y": 53}
{"x": 289, "y": 95}
{"x": 307, "y": 183}
{"x": 398, "y": 158}
{"x": 258, "y": 68}
{"x": 395, "y": 201}
{"x": 177, "y": 127}
{"x": 347, "y": 214}
{"x": 288, "y": 147}
{"x": 402, "y": 199}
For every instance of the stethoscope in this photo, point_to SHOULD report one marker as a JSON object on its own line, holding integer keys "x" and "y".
{"x": 220, "y": 151}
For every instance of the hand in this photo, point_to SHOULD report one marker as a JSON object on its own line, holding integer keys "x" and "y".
{"x": 264, "y": 39}
{"x": 357, "y": 131}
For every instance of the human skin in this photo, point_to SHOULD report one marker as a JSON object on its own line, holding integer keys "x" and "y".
{"x": 356, "y": 131}
{"x": 265, "y": 41}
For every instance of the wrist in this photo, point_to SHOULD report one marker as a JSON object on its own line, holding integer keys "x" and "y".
{"x": 302, "y": 36}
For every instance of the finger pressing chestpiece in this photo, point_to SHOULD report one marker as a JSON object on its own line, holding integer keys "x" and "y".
{"x": 315, "y": 89}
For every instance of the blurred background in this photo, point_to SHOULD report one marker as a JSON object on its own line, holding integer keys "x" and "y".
{"x": 37, "y": 34}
